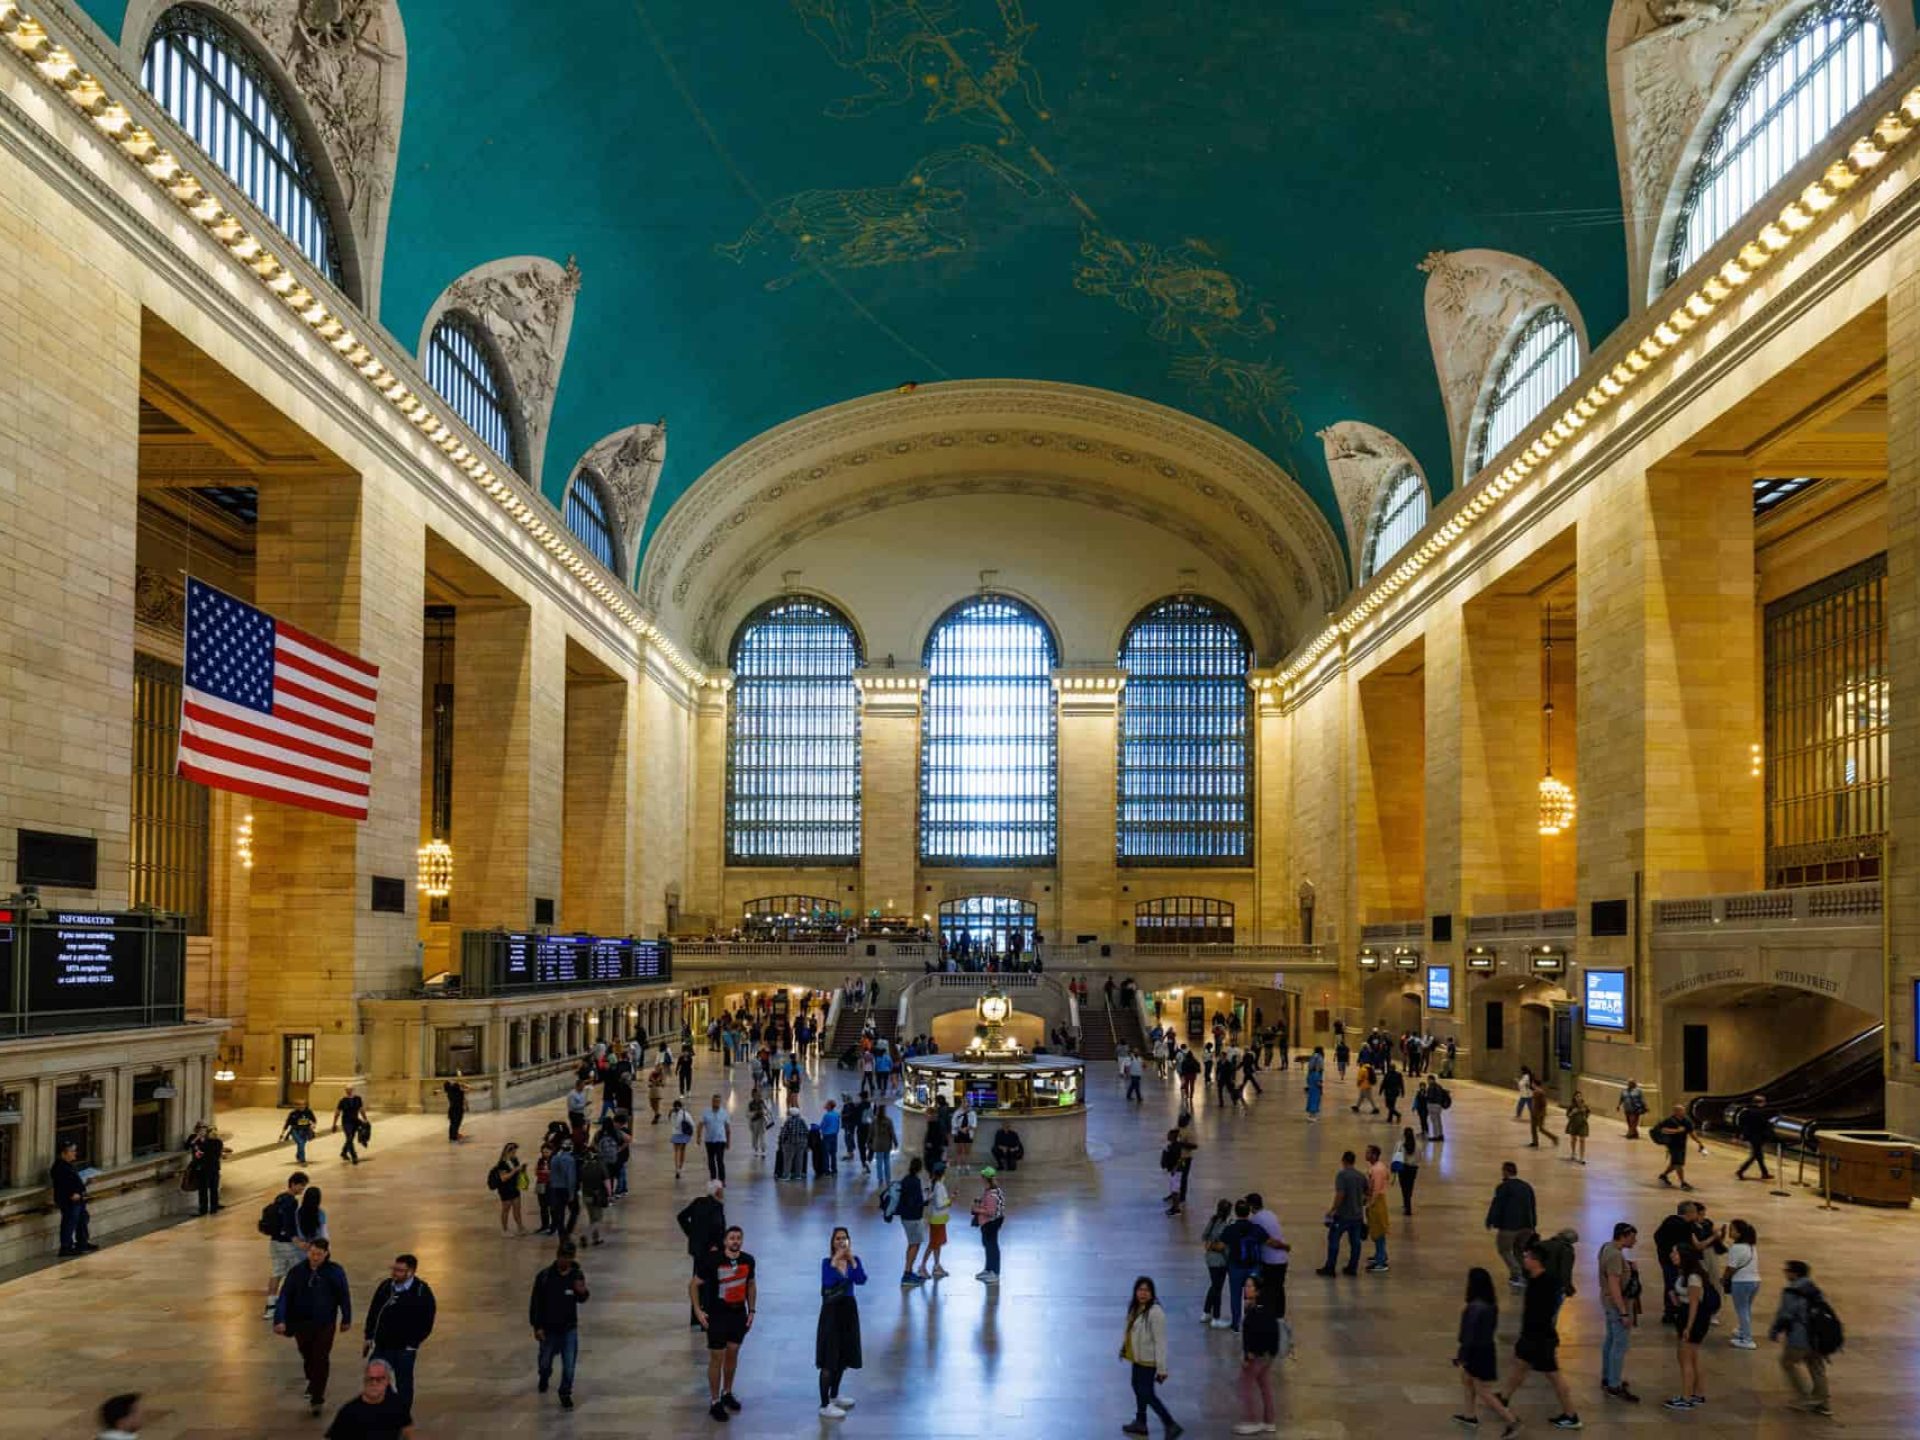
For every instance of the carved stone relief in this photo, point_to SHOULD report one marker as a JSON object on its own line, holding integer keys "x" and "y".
{"x": 628, "y": 463}
{"x": 158, "y": 603}
{"x": 525, "y": 304}
{"x": 346, "y": 62}
{"x": 1361, "y": 459}
{"x": 1475, "y": 301}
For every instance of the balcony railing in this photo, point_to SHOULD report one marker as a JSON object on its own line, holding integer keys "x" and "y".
{"x": 1817, "y": 906}
{"x": 693, "y": 957}
{"x": 1516, "y": 924}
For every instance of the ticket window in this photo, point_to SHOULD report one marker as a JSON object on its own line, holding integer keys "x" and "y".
{"x": 456, "y": 1050}
{"x": 76, "y": 1125}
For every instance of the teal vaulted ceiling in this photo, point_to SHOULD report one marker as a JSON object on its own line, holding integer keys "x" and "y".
{"x": 1216, "y": 204}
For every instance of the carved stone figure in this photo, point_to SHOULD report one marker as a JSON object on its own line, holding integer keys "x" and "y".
{"x": 1362, "y": 458}
{"x": 628, "y": 463}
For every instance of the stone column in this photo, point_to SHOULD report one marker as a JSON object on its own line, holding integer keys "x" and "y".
{"x": 890, "y": 787}
{"x": 1500, "y": 756}
{"x": 1443, "y": 727}
{"x": 1277, "y": 903}
{"x": 1902, "y": 883}
{"x": 708, "y": 858}
{"x": 1088, "y": 697}
{"x": 1390, "y": 796}
{"x": 596, "y": 861}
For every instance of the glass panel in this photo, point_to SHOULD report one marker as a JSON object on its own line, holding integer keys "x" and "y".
{"x": 462, "y": 368}
{"x": 71, "y": 1123}
{"x": 587, "y": 518}
{"x": 1183, "y": 920}
{"x": 167, "y": 864}
{"x": 987, "y": 773}
{"x": 1543, "y": 361}
{"x": 1827, "y": 729}
{"x": 791, "y": 917}
{"x": 979, "y": 926}
{"x": 1398, "y": 518}
{"x": 1769, "y": 493}
{"x": 793, "y": 744}
{"x": 149, "y": 1115}
{"x": 1185, "y": 782}
{"x": 207, "y": 78}
{"x": 1797, "y": 93}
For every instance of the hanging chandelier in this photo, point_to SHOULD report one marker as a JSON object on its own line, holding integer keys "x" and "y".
{"x": 436, "y": 869}
{"x": 436, "y": 856}
{"x": 243, "y": 842}
{"x": 1556, "y": 799}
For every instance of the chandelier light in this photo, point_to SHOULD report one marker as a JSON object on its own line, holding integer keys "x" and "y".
{"x": 436, "y": 870}
{"x": 1556, "y": 799}
{"x": 243, "y": 842}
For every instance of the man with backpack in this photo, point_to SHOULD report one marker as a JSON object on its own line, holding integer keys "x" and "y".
{"x": 1812, "y": 1332}
{"x": 1242, "y": 1241}
{"x": 278, "y": 1224}
{"x": 399, "y": 1320}
{"x": 906, "y": 1200}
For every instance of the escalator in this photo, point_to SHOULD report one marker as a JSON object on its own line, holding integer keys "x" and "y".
{"x": 1839, "y": 1089}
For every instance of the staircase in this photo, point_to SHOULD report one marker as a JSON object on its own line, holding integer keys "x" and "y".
{"x": 1104, "y": 1031}
{"x": 846, "y": 1030}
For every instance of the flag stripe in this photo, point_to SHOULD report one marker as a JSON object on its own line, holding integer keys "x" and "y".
{"x": 269, "y": 758}
{"x": 321, "y": 648}
{"x": 303, "y": 798}
{"x": 205, "y": 721}
{"x": 293, "y": 709}
{"x": 324, "y": 677}
{"x": 285, "y": 686}
{"x": 329, "y": 740}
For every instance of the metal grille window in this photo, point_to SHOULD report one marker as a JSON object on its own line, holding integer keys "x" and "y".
{"x": 1186, "y": 775}
{"x": 1542, "y": 361}
{"x": 1803, "y": 85}
{"x": 1827, "y": 729}
{"x": 462, "y": 367}
{"x": 587, "y": 518}
{"x": 989, "y": 923}
{"x": 988, "y": 785}
{"x": 206, "y": 76}
{"x": 793, "y": 746}
{"x": 167, "y": 865}
{"x": 1398, "y": 517}
{"x": 1183, "y": 920}
{"x": 1767, "y": 494}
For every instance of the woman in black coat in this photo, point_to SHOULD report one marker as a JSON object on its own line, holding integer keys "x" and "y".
{"x": 836, "y": 1340}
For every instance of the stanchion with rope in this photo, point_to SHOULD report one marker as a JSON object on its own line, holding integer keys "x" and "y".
{"x": 1780, "y": 1167}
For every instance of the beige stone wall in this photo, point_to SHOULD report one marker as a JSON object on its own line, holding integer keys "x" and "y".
{"x": 1903, "y": 642}
{"x": 596, "y": 873}
{"x": 1390, "y": 789}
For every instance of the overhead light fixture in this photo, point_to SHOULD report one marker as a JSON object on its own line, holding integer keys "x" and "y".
{"x": 1556, "y": 799}
{"x": 436, "y": 870}
{"x": 243, "y": 842}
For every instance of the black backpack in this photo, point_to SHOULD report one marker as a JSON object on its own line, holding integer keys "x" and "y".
{"x": 1170, "y": 1157}
{"x": 1249, "y": 1248}
{"x": 271, "y": 1224}
{"x": 1825, "y": 1333}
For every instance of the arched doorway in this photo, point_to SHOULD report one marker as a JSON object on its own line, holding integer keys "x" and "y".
{"x": 1392, "y": 1003}
{"x": 1512, "y": 1025}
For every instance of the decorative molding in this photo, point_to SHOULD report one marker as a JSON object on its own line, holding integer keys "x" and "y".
{"x": 1475, "y": 301}
{"x": 1362, "y": 458}
{"x": 342, "y": 67}
{"x": 1671, "y": 64}
{"x": 628, "y": 464}
{"x": 525, "y": 304}
{"x": 158, "y": 602}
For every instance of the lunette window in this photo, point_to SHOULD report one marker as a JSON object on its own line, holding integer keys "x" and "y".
{"x": 462, "y": 367}
{"x": 1398, "y": 517}
{"x": 587, "y": 518}
{"x": 1542, "y": 361}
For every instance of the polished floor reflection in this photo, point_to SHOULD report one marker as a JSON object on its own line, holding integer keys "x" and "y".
{"x": 176, "y": 1313}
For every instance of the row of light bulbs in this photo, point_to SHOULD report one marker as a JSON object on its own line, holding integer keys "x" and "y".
{"x": 56, "y": 64}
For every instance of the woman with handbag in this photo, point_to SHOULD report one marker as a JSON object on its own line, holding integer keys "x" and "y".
{"x": 1742, "y": 1278}
{"x": 1144, "y": 1347}
{"x": 836, "y": 1338}
{"x": 508, "y": 1179}
{"x": 1215, "y": 1250}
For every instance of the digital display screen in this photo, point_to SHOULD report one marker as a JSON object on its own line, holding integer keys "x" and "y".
{"x": 78, "y": 960}
{"x": 1439, "y": 987}
{"x": 558, "y": 961}
{"x": 1606, "y": 1000}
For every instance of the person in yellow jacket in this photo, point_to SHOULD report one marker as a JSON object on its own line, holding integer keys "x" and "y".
{"x": 1144, "y": 1348}
{"x": 1378, "y": 1179}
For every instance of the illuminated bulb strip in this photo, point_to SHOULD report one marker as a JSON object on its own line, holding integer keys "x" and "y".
{"x": 1773, "y": 238}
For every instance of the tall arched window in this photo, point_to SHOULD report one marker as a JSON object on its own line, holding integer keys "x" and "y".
{"x": 1183, "y": 920}
{"x": 1185, "y": 774}
{"x": 463, "y": 367}
{"x": 1810, "y": 78}
{"x": 987, "y": 774}
{"x": 207, "y": 77}
{"x": 989, "y": 923}
{"x": 1542, "y": 361}
{"x": 1396, "y": 519}
{"x": 793, "y": 741}
{"x": 587, "y": 517}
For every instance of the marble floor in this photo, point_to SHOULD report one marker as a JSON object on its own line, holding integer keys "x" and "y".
{"x": 176, "y": 1313}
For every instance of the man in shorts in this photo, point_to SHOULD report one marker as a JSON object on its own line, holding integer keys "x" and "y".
{"x": 724, "y": 1293}
{"x": 911, "y": 1211}
{"x": 1539, "y": 1342}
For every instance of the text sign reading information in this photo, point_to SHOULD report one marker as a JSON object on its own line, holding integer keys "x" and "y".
{"x": 1606, "y": 1004}
{"x": 1439, "y": 987}
{"x": 85, "y": 961}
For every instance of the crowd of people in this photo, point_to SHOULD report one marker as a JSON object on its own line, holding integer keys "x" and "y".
{"x": 580, "y": 1171}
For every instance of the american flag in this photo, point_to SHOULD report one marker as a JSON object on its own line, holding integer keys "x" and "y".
{"x": 268, "y": 710}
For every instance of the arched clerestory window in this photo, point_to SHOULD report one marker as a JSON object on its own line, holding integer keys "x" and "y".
{"x": 1186, "y": 773}
{"x": 1397, "y": 517}
{"x": 1541, "y": 360}
{"x": 793, "y": 739}
{"x": 589, "y": 518}
{"x": 464, "y": 368}
{"x": 1808, "y": 79}
{"x": 988, "y": 781}
{"x": 208, "y": 78}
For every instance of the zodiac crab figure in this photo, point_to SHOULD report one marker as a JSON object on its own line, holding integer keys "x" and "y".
{"x": 878, "y": 225}
{"x": 1182, "y": 291}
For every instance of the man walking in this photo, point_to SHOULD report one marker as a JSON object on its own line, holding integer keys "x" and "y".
{"x": 1513, "y": 1219}
{"x": 1756, "y": 1128}
{"x": 279, "y": 1223}
{"x": 456, "y": 1089}
{"x": 1676, "y": 1132}
{"x": 1136, "y": 1069}
{"x": 910, "y": 1209}
{"x": 70, "y": 1195}
{"x": 716, "y": 1130}
{"x": 1539, "y": 1342}
{"x": 553, "y": 1310}
{"x": 1537, "y": 1115}
{"x": 1619, "y": 1284}
{"x": 724, "y": 1293}
{"x": 704, "y": 1223}
{"x": 1346, "y": 1216}
{"x": 299, "y": 1127}
{"x": 399, "y": 1320}
{"x": 563, "y": 1189}
{"x": 1392, "y": 1086}
{"x": 348, "y": 1116}
{"x": 377, "y": 1412}
{"x": 1794, "y": 1323}
{"x": 314, "y": 1305}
